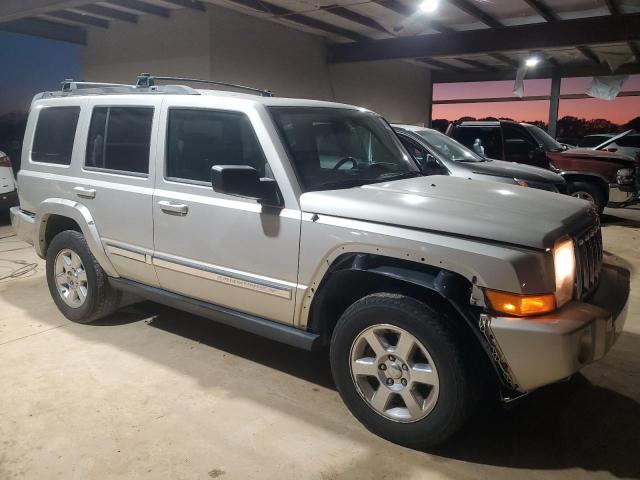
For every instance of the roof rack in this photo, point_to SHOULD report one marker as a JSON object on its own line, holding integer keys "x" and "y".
{"x": 70, "y": 84}
{"x": 146, "y": 80}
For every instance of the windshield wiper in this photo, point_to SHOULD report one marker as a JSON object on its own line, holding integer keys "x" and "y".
{"x": 397, "y": 176}
{"x": 341, "y": 184}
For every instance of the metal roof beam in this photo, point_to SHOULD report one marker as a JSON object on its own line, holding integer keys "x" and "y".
{"x": 45, "y": 29}
{"x": 17, "y": 9}
{"x": 567, "y": 33}
{"x": 192, "y": 4}
{"x": 566, "y": 71}
{"x": 74, "y": 17}
{"x": 542, "y": 9}
{"x": 111, "y": 13}
{"x": 141, "y": 7}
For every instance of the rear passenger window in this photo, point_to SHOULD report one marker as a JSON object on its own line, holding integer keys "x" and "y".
{"x": 120, "y": 138}
{"x": 488, "y": 137}
{"x": 200, "y": 139}
{"x": 55, "y": 132}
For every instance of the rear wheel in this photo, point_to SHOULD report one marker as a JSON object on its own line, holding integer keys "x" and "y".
{"x": 589, "y": 192}
{"x": 400, "y": 369}
{"x": 77, "y": 283}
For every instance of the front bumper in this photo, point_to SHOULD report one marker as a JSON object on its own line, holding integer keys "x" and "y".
{"x": 23, "y": 224}
{"x": 542, "y": 350}
{"x": 622, "y": 195}
{"x": 8, "y": 199}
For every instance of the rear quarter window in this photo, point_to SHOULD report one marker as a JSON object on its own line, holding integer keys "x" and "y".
{"x": 54, "y": 136}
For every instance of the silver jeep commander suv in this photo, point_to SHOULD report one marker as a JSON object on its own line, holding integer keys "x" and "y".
{"x": 308, "y": 223}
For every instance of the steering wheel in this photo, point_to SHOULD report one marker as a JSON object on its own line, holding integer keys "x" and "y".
{"x": 353, "y": 161}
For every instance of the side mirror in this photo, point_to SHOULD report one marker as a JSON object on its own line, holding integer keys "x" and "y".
{"x": 244, "y": 181}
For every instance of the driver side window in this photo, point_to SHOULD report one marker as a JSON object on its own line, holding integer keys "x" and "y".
{"x": 518, "y": 145}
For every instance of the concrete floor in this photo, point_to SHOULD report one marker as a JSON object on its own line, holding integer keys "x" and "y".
{"x": 155, "y": 393}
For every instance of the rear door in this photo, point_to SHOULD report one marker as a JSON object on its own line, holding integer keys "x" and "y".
{"x": 117, "y": 180}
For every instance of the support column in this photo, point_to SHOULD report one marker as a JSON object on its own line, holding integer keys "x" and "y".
{"x": 554, "y": 104}
{"x": 429, "y": 112}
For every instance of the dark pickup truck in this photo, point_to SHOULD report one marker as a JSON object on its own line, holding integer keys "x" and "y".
{"x": 603, "y": 178}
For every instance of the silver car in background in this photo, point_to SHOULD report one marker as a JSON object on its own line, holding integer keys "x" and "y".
{"x": 438, "y": 154}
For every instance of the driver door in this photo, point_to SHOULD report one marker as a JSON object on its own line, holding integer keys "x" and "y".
{"x": 222, "y": 249}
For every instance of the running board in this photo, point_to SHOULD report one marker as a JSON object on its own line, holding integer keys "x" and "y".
{"x": 244, "y": 321}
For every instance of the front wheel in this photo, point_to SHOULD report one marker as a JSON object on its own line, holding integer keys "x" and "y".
{"x": 400, "y": 369}
{"x": 589, "y": 192}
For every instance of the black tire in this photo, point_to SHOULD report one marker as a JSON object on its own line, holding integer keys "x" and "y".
{"x": 590, "y": 189}
{"x": 458, "y": 389}
{"x": 101, "y": 299}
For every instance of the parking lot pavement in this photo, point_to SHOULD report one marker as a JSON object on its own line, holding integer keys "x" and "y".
{"x": 159, "y": 394}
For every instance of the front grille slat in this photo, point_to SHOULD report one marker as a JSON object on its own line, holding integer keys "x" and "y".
{"x": 589, "y": 261}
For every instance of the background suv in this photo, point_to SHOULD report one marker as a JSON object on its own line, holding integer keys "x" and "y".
{"x": 603, "y": 178}
{"x": 437, "y": 154}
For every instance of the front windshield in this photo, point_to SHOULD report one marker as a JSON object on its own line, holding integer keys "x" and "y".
{"x": 449, "y": 148}
{"x": 340, "y": 148}
{"x": 543, "y": 138}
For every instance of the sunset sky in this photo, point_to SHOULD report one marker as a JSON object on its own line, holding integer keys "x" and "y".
{"x": 620, "y": 110}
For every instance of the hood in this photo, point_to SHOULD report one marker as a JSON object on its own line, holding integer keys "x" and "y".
{"x": 500, "y": 168}
{"x": 591, "y": 154}
{"x": 456, "y": 206}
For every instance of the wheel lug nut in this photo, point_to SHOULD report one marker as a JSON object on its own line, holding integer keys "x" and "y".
{"x": 383, "y": 366}
{"x": 404, "y": 382}
{"x": 389, "y": 381}
{"x": 392, "y": 358}
{"x": 404, "y": 366}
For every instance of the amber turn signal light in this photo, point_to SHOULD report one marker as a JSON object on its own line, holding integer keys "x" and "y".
{"x": 520, "y": 305}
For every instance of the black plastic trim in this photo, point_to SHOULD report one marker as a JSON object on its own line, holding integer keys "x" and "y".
{"x": 244, "y": 321}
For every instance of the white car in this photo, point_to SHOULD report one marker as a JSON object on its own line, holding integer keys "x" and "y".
{"x": 8, "y": 194}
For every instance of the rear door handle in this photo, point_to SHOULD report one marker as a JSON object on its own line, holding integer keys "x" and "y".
{"x": 85, "y": 192}
{"x": 173, "y": 208}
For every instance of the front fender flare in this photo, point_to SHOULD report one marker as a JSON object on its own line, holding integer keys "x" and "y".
{"x": 81, "y": 215}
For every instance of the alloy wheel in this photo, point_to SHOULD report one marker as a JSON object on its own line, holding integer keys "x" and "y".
{"x": 394, "y": 373}
{"x": 71, "y": 278}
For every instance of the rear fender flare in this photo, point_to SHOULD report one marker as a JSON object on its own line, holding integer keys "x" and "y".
{"x": 81, "y": 215}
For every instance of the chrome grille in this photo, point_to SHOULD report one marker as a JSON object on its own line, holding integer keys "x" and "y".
{"x": 588, "y": 261}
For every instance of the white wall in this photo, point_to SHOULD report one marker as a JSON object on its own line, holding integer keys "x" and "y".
{"x": 226, "y": 45}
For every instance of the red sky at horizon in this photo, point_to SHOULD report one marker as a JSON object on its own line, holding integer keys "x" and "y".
{"x": 619, "y": 111}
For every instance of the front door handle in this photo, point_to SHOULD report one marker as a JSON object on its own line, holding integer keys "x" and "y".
{"x": 85, "y": 192}
{"x": 173, "y": 208}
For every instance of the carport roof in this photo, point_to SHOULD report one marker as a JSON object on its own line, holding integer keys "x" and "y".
{"x": 462, "y": 40}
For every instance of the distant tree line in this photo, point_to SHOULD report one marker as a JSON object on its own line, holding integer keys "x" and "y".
{"x": 569, "y": 127}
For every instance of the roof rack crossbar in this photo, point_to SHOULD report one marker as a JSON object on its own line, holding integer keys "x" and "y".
{"x": 146, "y": 80}
{"x": 70, "y": 84}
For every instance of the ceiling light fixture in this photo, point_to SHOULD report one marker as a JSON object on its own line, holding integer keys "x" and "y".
{"x": 532, "y": 61}
{"x": 429, "y": 6}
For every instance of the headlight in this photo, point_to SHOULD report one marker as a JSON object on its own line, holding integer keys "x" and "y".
{"x": 564, "y": 261}
{"x": 626, "y": 176}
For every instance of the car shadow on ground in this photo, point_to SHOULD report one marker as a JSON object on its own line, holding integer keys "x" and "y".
{"x": 607, "y": 219}
{"x": 574, "y": 424}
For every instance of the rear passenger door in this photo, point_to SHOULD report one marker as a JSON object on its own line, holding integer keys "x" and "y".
{"x": 117, "y": 180}
{"x": 223, "y": 249}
